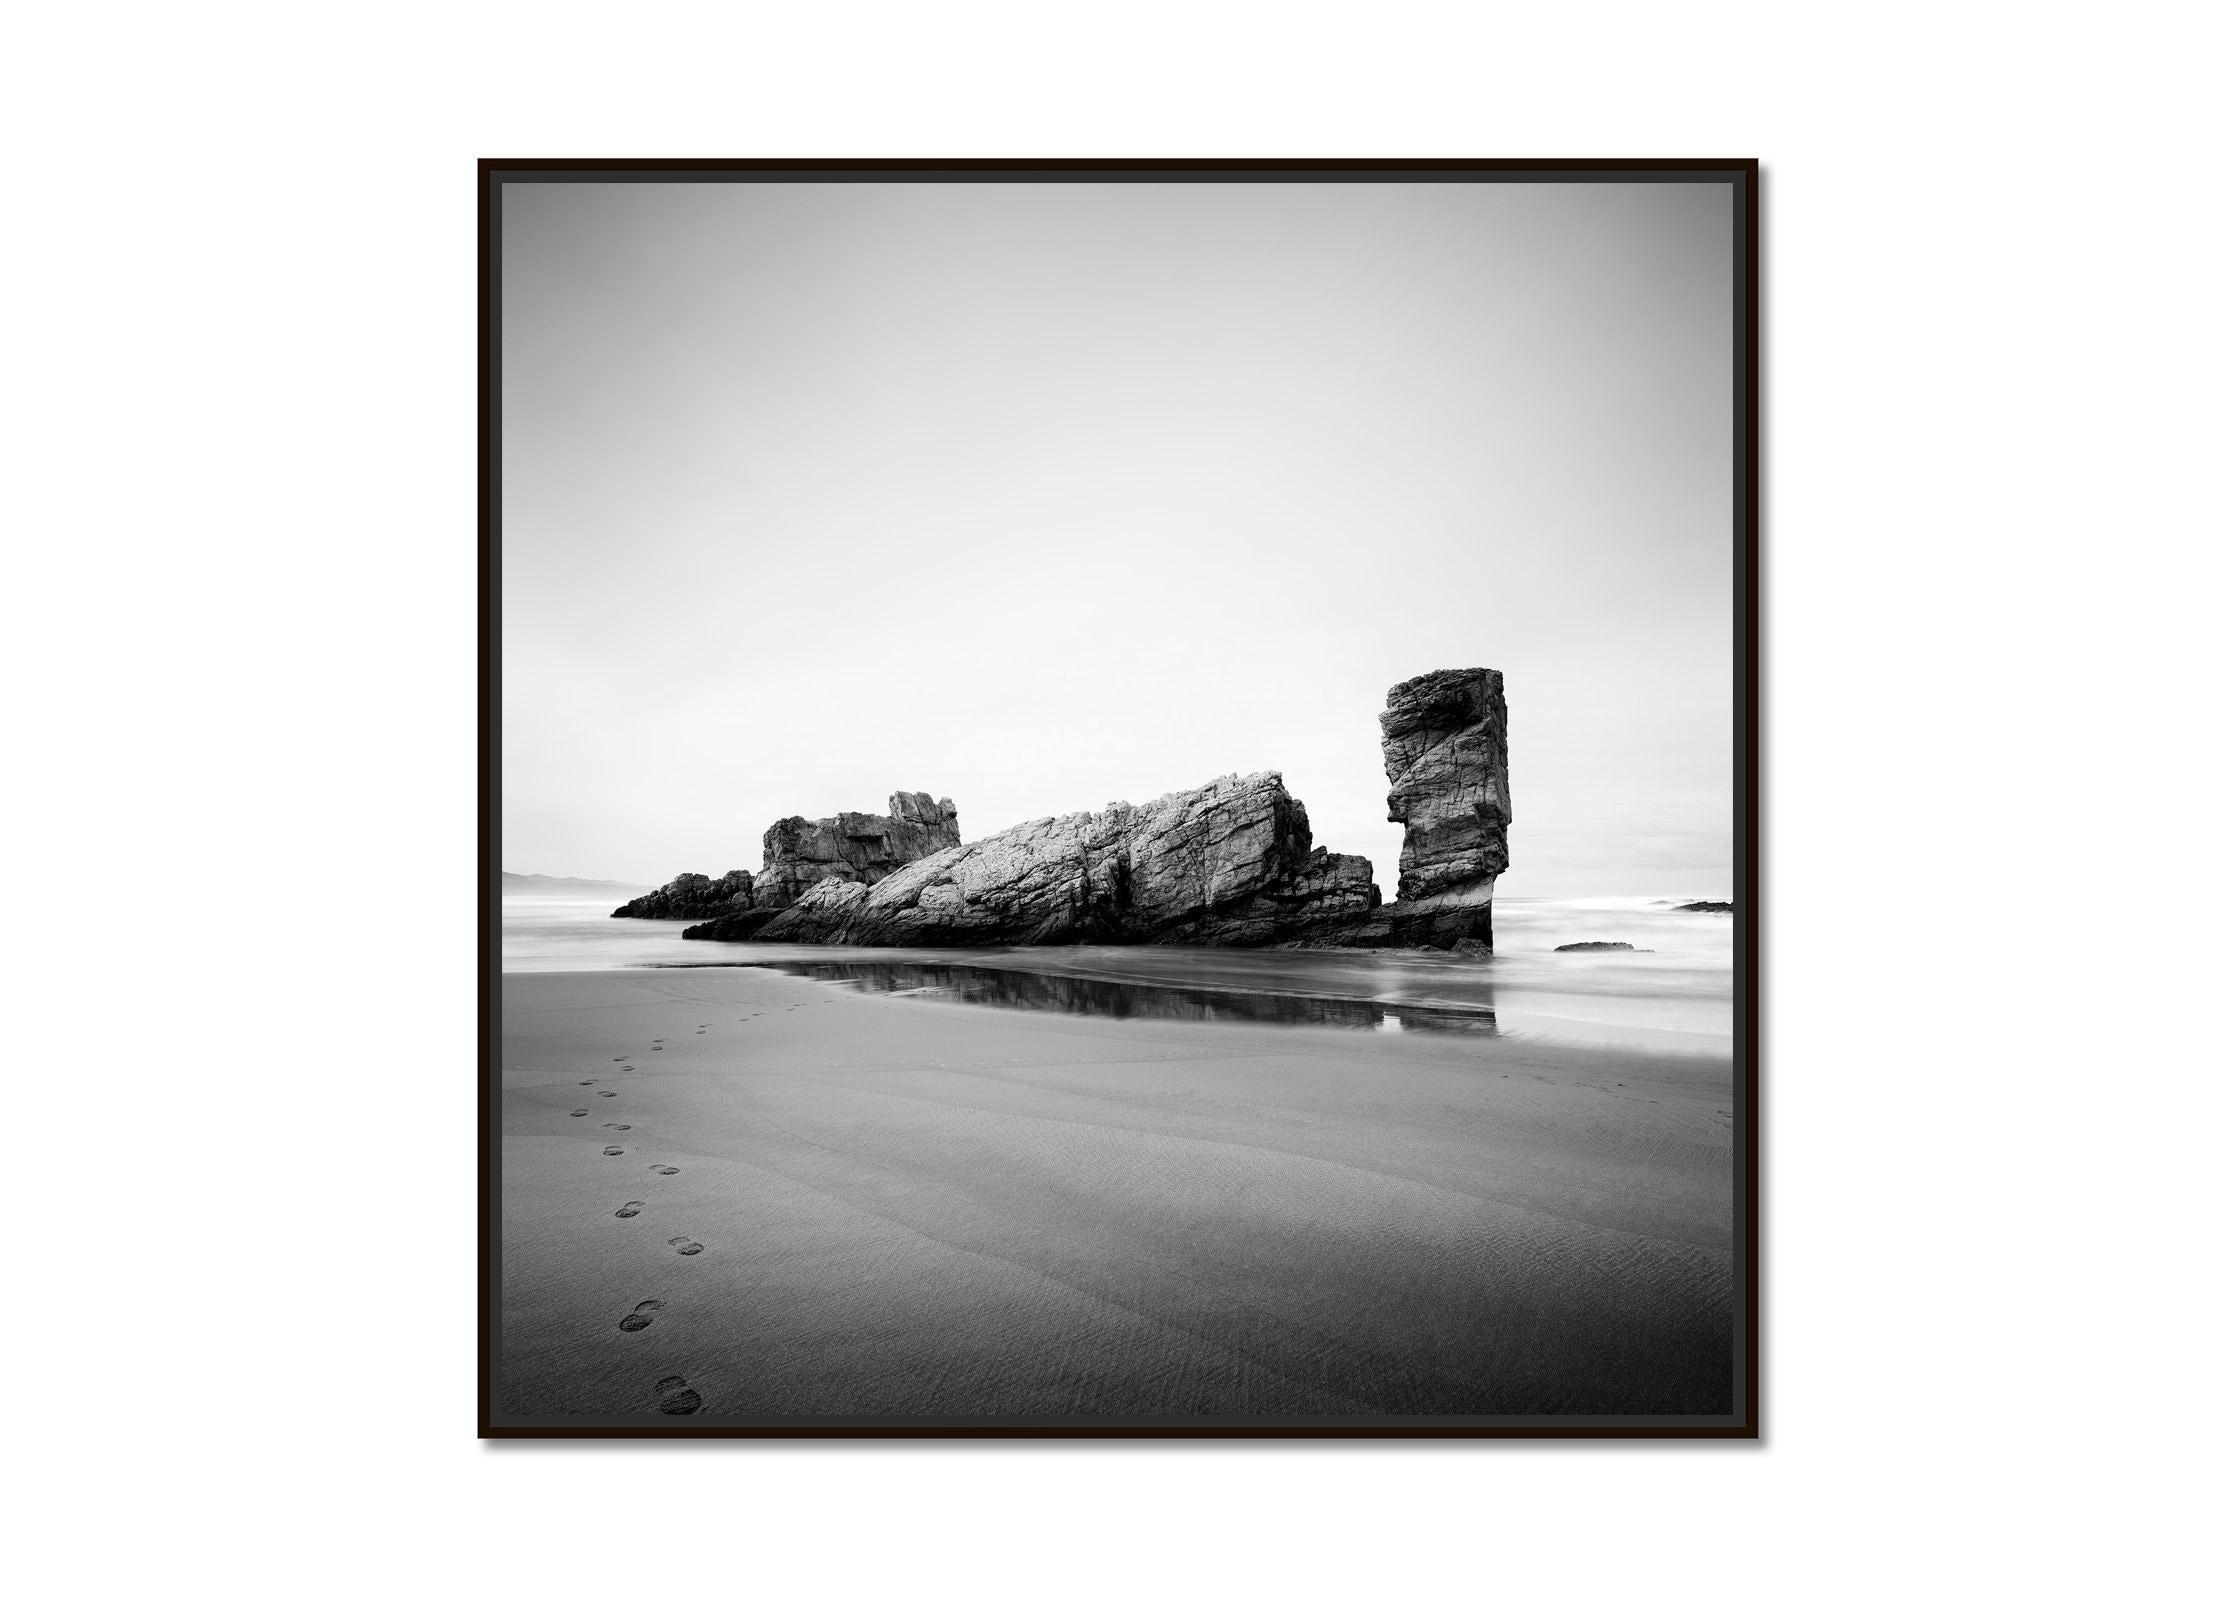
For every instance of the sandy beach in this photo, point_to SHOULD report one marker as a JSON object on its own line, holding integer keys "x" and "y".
{"x": 896, "y": 1207}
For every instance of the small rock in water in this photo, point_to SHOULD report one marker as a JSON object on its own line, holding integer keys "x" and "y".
{"x": 1708, "y": 905}
{"x": 1593, "y": 944}
{"x": 1475, "y": 949}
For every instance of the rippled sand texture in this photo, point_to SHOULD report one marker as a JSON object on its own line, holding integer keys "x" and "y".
{"x": 783, "y": 1199}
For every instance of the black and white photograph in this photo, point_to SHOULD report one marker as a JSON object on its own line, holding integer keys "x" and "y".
{"x": 1189, "y": 800}
{"x": 1118, "y": 799}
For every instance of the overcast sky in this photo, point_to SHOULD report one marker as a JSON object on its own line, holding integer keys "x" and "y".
{"x": 1044, "y": 495}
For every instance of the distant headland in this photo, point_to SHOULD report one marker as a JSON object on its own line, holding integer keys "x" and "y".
{"x": 568, "y": 888}
{"x": 1230, "y": 863}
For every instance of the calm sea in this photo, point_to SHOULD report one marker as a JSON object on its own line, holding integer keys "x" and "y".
{"x": 1674, "y": 989}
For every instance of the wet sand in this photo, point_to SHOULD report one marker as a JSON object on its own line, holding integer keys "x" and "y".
{"x": 894, "y": 1207}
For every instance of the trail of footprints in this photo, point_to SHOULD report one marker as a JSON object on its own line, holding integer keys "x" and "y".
{"x": 673, "y": 1397}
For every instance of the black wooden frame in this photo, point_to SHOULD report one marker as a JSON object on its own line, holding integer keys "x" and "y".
{"x": 1744, "y": 1424}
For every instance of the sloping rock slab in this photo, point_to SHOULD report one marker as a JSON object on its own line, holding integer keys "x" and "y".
{"x": 1232, "y": 862}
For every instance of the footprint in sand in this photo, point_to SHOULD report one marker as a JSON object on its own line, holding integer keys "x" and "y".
{"x": 606, "y": 1094}
{"x": 579, "y": 1113}
{"x": 686, "y": 1246}
{"x": 612, "y": 1150}
{"x": 666, "y": 1172}
{"x": 631, "y": 1208}
{"x": 629, "y": 1069}
{"x": 587, "y": 1083}
{"x": 622, "y": 1058}
{"x": 676, "y": 1400}
{"x": 638, "y": 1318}
{"x": 657, "y": 1047}
{"x": 619, "y": 1127}
{"x": 662, "y": 1039}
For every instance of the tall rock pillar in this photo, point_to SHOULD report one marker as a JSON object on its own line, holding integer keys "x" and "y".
{"x": 1446, "y": 755}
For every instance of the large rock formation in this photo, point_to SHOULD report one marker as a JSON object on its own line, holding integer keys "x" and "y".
{"x": 1231, "y": 863}
{"x": 1446, "y": 755}
{"x": 689, "y": 896}
{"x": 854, "y": 847}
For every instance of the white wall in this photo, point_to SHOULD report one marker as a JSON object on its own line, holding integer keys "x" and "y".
{"x": 1999, "y": 571}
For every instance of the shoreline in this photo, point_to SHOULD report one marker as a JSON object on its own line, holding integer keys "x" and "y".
{"x": 1676, "y": 993}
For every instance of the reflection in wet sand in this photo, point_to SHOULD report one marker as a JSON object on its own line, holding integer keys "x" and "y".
{"x": 1674, "y": 989}
{"x": 1100, "y": 997}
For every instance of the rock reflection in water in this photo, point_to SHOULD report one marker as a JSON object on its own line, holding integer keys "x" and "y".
{"x": 1098, "y": 997}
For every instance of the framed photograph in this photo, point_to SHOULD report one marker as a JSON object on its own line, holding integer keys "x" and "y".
{"x": 1119, "y": 798}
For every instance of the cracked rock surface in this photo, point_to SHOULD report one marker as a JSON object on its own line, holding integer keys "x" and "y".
{"x": 1446, "y": 755}
{"x": 1232, "y": 862}
{"x": 692, "y": 895}
{"x": 854, "y": 847}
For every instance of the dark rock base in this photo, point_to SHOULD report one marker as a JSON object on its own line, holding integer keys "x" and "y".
{"x": 1413, "y": 926}
{"x": 738, "y": 925}
{"x": 690, "y": 896}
